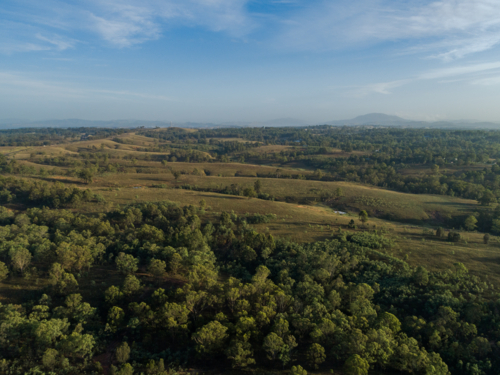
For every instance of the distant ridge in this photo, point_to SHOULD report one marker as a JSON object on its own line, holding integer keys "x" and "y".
{"x": 381, "y": 119}
{"x": 370, "y": 119}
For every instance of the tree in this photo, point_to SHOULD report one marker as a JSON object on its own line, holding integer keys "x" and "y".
{"x": 440, "y": 232}
{"x": 21, "y": 258}
{"x": 421, "y": 276}
{"x": 112, "y": 295}
{"x": 470, "y": 223}
{"x": 249, "y": 192}
{"x": 435, "y": 169}
{"x": 116, "y": 316}
{"x": 495, "y": 226}
{"x": 298, "y": 370}
{"x": 126, "y": 263}
{"x": 487, "y": 198}
{"x": 273, "y": 345}
{"x": 315, "y": 355}
{"x": 240, "y": 354}
{"x": 4, "y": 271}
{"x": 157, "y": 268}
{"x": 49, "y": 359}
{"x": 203, "y": 204}
{"x": 176, "y": 174}
{"x": 210, "y": 338}
{"x": 454, "y": 236}
{"x": 123, "y": 352}
{"x": 87, "y": 175}
{"x": 355, "y": 365}
{"x": 318, "y": 174}
{"x": 486, "y": 240}
{"x": 363, "y": 216}
{"x": 126, "y": 369}
{"x": 175, "y": 262}
{"x": 131, "y": 285}
{"x": 257, "y": 185}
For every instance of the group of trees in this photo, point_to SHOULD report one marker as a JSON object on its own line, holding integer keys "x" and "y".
{"x": 382, "y": 154}
{"x": 233, "y": 298}
{"x": 39, "y": 193}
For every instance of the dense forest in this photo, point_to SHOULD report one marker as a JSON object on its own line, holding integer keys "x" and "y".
{"x": 217, "y": 293}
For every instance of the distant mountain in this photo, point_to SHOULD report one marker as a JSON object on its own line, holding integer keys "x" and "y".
{"x": 372, "y": 119}
{"x": 280, "y": 122}
{"x": 381, "y": 119}
{"x": 77, "y": 123}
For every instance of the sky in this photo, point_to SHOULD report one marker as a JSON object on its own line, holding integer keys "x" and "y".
{"x": 242, "y": 60}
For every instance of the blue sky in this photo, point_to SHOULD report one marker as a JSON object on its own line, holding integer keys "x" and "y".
{"x": 239, "y": 60}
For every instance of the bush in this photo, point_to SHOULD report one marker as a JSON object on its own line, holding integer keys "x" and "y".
{"x": 260, "y": 219}
{"x": 454, "y": 237}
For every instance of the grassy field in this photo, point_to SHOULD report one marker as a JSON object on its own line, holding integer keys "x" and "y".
{"x": 379, "y": 202}
{"x": 404, "y": 217}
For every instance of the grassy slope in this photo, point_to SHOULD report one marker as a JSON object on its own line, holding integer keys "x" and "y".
{"x": 298, "y": 222}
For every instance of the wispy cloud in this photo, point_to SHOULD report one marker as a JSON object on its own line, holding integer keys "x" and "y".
{"x": 13, "y": 82}
{"x": 446, "y": 29}
{"x": 485, "y": 74}
{"x": 122, "y": 23}
{"x": 59, "y": 42}
{"x": 384, "y": 88}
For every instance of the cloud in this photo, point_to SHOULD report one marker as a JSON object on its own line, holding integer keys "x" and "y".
{"x": 468, "y": 73}
{"x": 13, "y": 82}
{"x": 60, "y": 43}
{"x": 378, "y": 88}
{"x": 121, "y": 23}
{"x": 446, "y": 29}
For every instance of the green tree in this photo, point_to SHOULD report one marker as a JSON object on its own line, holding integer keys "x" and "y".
{"x": 20, "y": 258}
{"x": 487, "y": 198}
{"x": 298, "y": 370}
{"x": 495, "y": 227}
{"x": 203, "y": 204}
{"x": 470, "y": 223}
{"x": 175, "y": 263}
{"x": 157, "y": 268}
{"x": 126, "y": 263}
{"x": 454, "y": 236}
{"x": 249, "y": 192}
{"x": 87, "y": 175}
{"x": 49, "y": 359}
{"x": 125, "y": 369}
{"x": 421, "y": 276}
{"x": 257, "y": 185}
{"x": 440, "y": 232}
{"x": 315, "y": 355}
{"x": 4, "y": 271}
{"x": 355, "y": 365}
{"x": 486, "y": 240}
{"x": 123, "y": 352}
{"x": 131, "y": 284}
{"x": 240, "y": 354}
{"x": 176, "y": 174}
{"x": 210, "y": 338}
{"x": 363, "y": 216}
{"x": 115, "y": 318}
{"x": 113, "y": 295}
{"x": 273, "y": 345}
